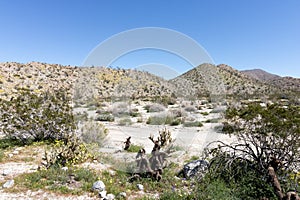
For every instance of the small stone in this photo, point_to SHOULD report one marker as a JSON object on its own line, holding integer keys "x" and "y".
{"x": 122, "y": 194}
{"x": 10, "y": 155}
{"x": 102, "y": 194}
{"x": 110, "y": 196}
{"x": 5, "y": 172}
{"x": 140, "y": 187}
{"x": 64, "y": 168}
{"x": 111, "y": 172}
{"x": 98, "y": 185}
{"x": 15, "y": 152}
{"x": 8, "y": 184}
{"x": 44, "y": 162}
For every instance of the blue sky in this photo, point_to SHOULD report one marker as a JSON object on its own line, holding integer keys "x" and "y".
{"x": 243, "y": 34}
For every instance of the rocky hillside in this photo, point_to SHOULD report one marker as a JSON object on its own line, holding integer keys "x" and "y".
{"x": 235, "y": 83}
{"x": 80, "y": 82}
{"x": 36, "y": 77}
{"x": 87, "y": 83}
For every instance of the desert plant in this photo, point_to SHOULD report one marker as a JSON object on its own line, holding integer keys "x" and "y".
{"x": 93, "y": 132}
{"x": 266, "y": 137}
{"x": 125, "y": 122}
{"x": 105, "y": 117}
{"x": 35, "y": 117}
{"x": 192, "y": 124}
{"x": 190, "y": 109}
{"x": 134, "y": 148}
{"x": 66, "y": 152}
{"x": 154, "y": 107}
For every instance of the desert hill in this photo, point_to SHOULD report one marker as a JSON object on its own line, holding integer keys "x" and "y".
{"x": 85, "y": 83}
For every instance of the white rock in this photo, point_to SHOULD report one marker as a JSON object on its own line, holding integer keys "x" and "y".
{"x": 10, "y": 155}
{"x": 15, "y": 152}
{"x": 102, "y": 194}
{"x": 110, "y": 196}
{"x": 99, "y": 185}
{"x": 64, "y": 168}
{"x": 122, "y": 194}
{"x": 140, "y": 187}
{"x": 8, "y": 184}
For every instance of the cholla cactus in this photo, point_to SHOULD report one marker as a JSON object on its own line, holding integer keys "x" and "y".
{"x": 66, "y": 152}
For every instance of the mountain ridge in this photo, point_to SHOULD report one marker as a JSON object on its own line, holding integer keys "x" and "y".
{"x": 104, "y": 82}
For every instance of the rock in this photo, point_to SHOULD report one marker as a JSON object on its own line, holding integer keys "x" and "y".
{"x": 140, "y": 187}
{"x": 64, "y": 168}
{"x": 98, "y": 185}
{"x": 8, "y": 184}
{"x": 10, "y": 155}
{"x": 110, "y": 197}
{"x": 102, "y": 194}
{"x": 122, "y": 195}
{"x": 5, "y": 172}
{"x": 15, "y": 152}
{"x": 111, "y": 172}
{"x": 195, "y": 168}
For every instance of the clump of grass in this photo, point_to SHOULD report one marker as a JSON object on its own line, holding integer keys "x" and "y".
{"x": 2, "y": 155}
{"x": 125, "y": 122}
{"x": 154, "y": 108}
{"x": 215, "y": 120}
{"x": 204, "y": 113}
{"x": 105, "y": 117}
{"x": 192, "y": 124}
{"x": 57, "y": 180}
{"x": 163, "y": 119}
{"x": 81, "y": 116}
{"x": 134, "y": 148}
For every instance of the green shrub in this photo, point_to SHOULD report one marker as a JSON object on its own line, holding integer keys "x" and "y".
{"x": 134, "y": 148}
{"x": 105, "y": 117}
{"x": 204, "y": 113}
{"x": 37, "y": 117}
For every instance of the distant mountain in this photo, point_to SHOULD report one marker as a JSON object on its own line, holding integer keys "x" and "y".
{"x": 260, "y": 75}
{"x": 285, "y": 83}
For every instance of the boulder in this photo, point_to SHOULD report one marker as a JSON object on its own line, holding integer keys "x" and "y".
{"x": 99, "y": 186}
{"x": 195, "y": 168}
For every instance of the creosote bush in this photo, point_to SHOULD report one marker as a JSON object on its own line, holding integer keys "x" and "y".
{"x": 33, "y": 117}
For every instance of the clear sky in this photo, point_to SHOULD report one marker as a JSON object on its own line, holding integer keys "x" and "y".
{"x": 241, "y": 33}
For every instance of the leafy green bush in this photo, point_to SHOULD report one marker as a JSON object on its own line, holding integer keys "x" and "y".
{"x": 37, "y": 117}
